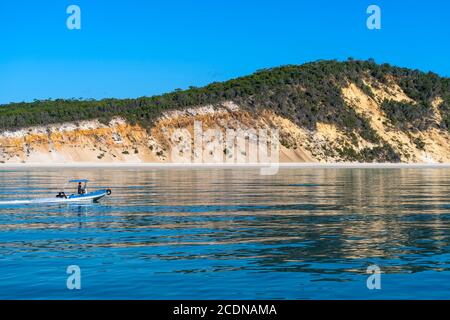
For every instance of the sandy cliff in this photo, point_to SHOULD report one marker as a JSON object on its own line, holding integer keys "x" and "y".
{"x": 119, "y": 141}
{"x": 325, "y": 111}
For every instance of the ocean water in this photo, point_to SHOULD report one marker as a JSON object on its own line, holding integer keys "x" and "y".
{"x": 229, "y": 234}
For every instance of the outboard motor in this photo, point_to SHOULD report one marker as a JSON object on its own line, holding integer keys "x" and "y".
{"x": 61, "y": 195}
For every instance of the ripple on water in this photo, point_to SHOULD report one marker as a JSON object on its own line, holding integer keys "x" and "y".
{"x": 303, "y": 233}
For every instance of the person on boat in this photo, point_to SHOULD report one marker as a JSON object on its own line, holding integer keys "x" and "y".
{"x": 80, "y": 188}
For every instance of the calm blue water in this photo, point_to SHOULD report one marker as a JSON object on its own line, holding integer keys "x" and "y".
{"x": 229, "y": 234}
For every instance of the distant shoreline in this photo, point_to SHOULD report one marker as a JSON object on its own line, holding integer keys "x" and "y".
{"x": 302, "y": 165}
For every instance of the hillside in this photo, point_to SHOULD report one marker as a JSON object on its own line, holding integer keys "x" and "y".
{"x": 326, "y": 111}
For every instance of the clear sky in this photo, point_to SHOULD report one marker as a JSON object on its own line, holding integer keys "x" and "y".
{"x": 134, "y": 48}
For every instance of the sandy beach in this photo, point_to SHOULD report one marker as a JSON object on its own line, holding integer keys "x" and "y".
{"x": 226, "y": 165}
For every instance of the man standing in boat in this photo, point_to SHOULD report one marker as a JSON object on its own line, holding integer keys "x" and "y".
{"x": 80, "y": 188}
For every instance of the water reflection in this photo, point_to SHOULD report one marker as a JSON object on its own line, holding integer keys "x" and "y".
{"x": 324, "y": 223}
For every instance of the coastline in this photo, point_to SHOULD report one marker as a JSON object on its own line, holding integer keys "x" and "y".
{"x": 293, "y": 165}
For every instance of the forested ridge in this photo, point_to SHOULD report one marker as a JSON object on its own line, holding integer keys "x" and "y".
{"x": 305, "y": 94}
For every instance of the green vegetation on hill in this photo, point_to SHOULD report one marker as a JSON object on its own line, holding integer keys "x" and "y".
{"x": 305, "y": 94}
{"x": 409, "y": 116}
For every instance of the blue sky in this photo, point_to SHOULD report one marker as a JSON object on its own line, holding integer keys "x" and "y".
{"x": 134, "y": 48}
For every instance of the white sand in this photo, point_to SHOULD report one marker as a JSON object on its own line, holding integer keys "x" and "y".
{"x": 217, "y": 165}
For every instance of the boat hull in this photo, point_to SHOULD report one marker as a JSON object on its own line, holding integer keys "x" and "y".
{"x": 75, "y": 198}
{"x": 93, "y": 196}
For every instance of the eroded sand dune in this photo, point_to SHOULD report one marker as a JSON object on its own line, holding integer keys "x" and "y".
{"x": 121, "y": 142}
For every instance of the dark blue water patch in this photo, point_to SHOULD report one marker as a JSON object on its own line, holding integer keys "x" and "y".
{"x": 426, "y": 206}
{"x": 418, "y": 217}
